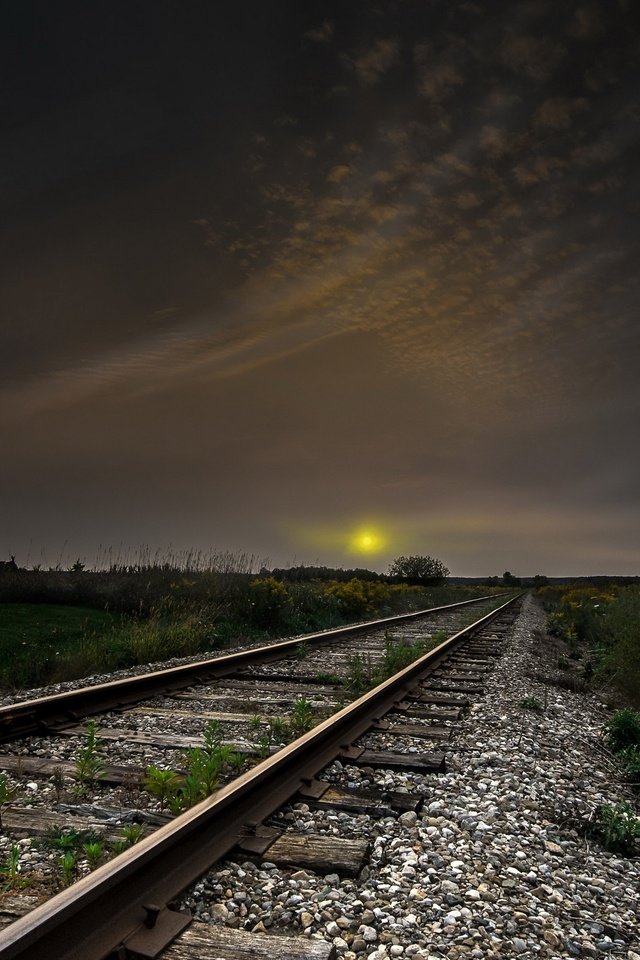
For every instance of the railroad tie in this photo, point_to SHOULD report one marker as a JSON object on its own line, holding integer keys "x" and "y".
{"x": 321, "y": 794}
{"x": 201, "y": 941}
{"x": 431, "y": 762}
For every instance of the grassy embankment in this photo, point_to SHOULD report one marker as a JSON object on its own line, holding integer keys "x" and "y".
{"x": 59, "y": 625}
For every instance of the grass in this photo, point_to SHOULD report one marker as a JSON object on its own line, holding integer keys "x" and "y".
{"x": 36, "y": 639}
{"x": 47, "y": 643}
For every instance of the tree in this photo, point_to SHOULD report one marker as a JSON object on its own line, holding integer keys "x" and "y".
{"x": 509, "y": 580}
{"x": 419, "y": 570}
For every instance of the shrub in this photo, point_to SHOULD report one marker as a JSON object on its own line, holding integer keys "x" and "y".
{"x": 269, "y": 601}
{"x": 623, "y": 729}
{"x": 531, "y": 703}
{"x": 359, "y": 598}
{"x": 630, "y": 758}
{"x": 617, "y": 828}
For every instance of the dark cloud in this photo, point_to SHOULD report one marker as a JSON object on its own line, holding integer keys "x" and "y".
{"x": 266, "y": 277}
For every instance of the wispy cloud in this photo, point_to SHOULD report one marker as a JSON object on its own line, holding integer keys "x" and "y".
{"x": 322, "y": 34}
{"x": 373, "y": 63}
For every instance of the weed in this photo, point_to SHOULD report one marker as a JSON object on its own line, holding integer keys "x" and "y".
{"x": 562, "y": 663}
{"x": 192, "y": 790}
{"x": 163, "y": 784}
{"x": 256, "y": 722}
{"x": 57, "y": 779}
{"x": 359, "y": 675}
{"x": 89, "y": 766}
{"x": 131, "y": 833}
{"x": 11, "y": 868}
{"x": 237, "y": 761}
{"x": 6, "y": 794}
{"x": 177, "y": 804}
{"x": 211, "y": 737}
{"x": 68, "y": 865}
{"x": 279, "y": 729}
{"x": 94, "y": 852}
{"x": 269, "y": 602}
{"x": 331, "y": 679}
{"x": 617, "y": 828}
{"x": 302, "y": 650}
{"x": 531, "y": 703}
{"x": 263, "y": 747}
{"x": 398, "y": 654}
{"x": 302, "y": 717}
{"x": 65, "y": 840}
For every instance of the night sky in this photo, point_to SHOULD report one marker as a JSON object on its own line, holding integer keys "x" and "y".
{"x": 322, "y": 282}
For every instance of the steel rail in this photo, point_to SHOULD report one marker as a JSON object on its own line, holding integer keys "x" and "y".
{"x": 46, "y": 714}
{"x": 133, "y": 896}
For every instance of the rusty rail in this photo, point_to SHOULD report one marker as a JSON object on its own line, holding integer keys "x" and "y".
{"x": 124, "y": 908}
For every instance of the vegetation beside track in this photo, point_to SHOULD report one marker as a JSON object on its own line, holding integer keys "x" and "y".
{"x": 59, "y": 625}
{"x": 597, "y": 629}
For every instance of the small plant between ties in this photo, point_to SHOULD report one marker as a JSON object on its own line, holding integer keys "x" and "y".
{"x": 89, "y": 766}
{"x": 129, "y": 835}
{"x": 11, "y": 870}
{"x": 162, "y": 784}
{"x": 203, "y": 767}
{"x": 6, "y": 795}
{"x": 302, "y": 716}
{"x": 94, "y": 851}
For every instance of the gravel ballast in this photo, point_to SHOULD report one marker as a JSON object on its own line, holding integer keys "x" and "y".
{"x": 496, "y": 864}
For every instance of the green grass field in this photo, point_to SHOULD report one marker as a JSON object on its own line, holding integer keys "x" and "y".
{"x": 38, "y": 639}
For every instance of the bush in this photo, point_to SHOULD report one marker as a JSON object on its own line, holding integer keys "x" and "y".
{"x": 630, "y": 758}
{"x": 623, "y": 730}
{"x": 359, "y": 598}
{"x": 617, "y": 829}
{"x": 269, "y": 602}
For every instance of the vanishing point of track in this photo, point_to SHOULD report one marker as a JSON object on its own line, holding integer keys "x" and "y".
{"x": 127, "y": 907}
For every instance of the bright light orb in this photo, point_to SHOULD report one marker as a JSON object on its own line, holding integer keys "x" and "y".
{"x": 366, "y": 541}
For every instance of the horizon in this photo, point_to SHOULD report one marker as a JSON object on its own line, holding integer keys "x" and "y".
{"x": 250, "y": 564}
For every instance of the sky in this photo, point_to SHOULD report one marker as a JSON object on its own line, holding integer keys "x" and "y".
{"x": 322, "y": 283}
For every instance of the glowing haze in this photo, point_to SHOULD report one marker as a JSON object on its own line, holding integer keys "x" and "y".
{"x": 323, "y": 282}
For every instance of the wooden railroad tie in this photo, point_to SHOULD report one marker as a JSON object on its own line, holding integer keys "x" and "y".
{"x": 204, "y": 942}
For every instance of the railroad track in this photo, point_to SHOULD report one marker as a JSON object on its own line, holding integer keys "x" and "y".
{"x": 241, "y": 813}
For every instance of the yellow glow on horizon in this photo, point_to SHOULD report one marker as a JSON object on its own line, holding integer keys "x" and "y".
{"x": 367, "y": 540}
